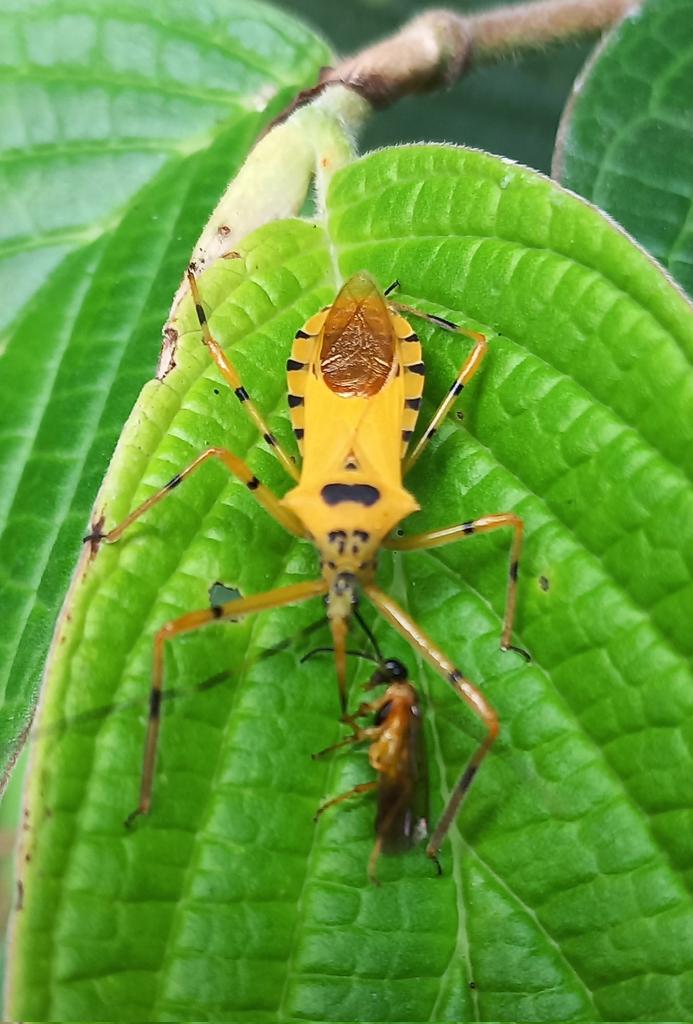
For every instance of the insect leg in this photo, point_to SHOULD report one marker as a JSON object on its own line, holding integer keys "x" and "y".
{"x": 277, "y": 598}
{"x": 436, "y": 538}
{"x": 370, "y": 733}
{"x": 363, "y": 787}
{"x": 232, "y": 378}
{"x": 439, "y": 321}
{"x": 235, "y": 465}
{"x": 373, "y": 860}
{"x": 466, "y": 372}
{"x": 346, "y": 742}
{"x": 462, "y": 686}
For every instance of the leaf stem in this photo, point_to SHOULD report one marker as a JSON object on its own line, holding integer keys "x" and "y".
{"x": 438, "y": 47}
{"x": 315, "y": 135}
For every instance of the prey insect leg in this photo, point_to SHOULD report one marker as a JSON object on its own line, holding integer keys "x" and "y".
{"x": 360, "y": 733}
{"x": 436, "y": 538}
{"x": 362, "y": 787}
{"x": 357, "y": 737}
{"x": 235, "y": 465}
{"x": 462, "y": 686}
{"x": 277, "y": 598}
{"x": 231, "y": 376}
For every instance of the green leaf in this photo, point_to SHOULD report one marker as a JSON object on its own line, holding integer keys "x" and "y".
{"x": 566, "y": 892}
{"x": 120, "y": 128}
{"x": 626, "y": 142}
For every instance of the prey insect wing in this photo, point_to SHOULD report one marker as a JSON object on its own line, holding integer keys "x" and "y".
{"x": 402, "y": 814}
{"x": 396, "y": 753}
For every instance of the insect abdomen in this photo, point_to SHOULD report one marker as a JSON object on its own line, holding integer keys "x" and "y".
{"x": 297, "y": 366}
{"x": 414, "y": 375}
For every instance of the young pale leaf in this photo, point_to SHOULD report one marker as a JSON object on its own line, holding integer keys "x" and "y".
{"x": 120, "y": 127}
{"x": 626, "y": 141}
{"x": 566, "y": 881}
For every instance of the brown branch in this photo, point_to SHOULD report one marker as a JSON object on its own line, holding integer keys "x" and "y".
{"x": 537, "y": 24}
{"x": 431, "y": 51}
{"x": 438, "y": 47}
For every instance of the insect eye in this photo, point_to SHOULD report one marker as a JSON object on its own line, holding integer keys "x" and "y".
{"x": 395, "y": 671}
{"x": 382, "y": 713}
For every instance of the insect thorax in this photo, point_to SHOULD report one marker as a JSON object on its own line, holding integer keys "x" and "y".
{"x": 389, "y": 753}
{"x": 348, "y": 517}
{"x": 350, "y": 551}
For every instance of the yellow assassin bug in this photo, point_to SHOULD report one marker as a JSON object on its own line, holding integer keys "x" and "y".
{"x": 355, "y": 380}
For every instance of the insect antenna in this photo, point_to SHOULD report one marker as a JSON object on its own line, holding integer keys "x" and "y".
{"x": 330, "y": 650}
{"x": 388, "y": 671}
{"x": 370, "y": 634}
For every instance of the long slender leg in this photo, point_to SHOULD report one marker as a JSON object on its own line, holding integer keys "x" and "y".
{"x": 370, "y": 733}
{"x": 370, "y": 707}
{"x": 373, "y": 861}
{"x": 436, "y": 538}
{"x": 346, "y": 742}
{"x": 363, "y": 787}
{"x": 235, "y": 465}
{"x": 469, "y": 367}
{"x": 277, "y": 598}
{"x": 439, "y": 321}
{"x": 462, "y": 686}
{"x": 231, "y": 376}
{"x": 466, "y": 372}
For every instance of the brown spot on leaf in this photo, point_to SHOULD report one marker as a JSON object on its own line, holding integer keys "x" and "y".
{"x": 167, "y": 356}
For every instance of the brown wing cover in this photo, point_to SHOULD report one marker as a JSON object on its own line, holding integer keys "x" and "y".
{"x": 340, "y": 368}
{"x": 358, "y": 341}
